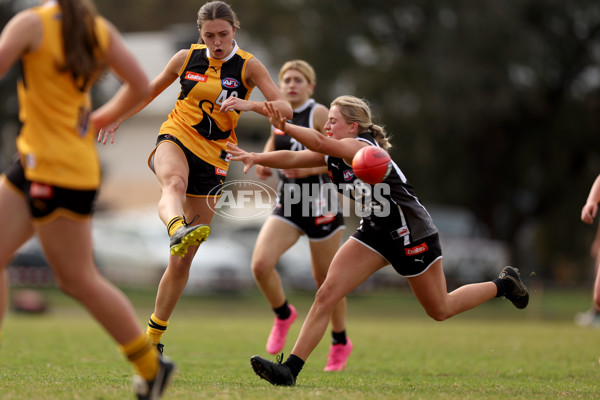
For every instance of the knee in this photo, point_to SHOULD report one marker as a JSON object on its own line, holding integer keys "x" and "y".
{"x": 439, "y": 313}
{"x": 176, "y": 183}
{"x": 261, "y": 267}
{"x": 181, "y": 266}
{"x": 75, "y": 288}
{"x": 326, "y": 297}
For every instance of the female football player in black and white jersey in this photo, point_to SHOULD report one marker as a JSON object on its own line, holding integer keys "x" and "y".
{"x": 289, "y": 221}
{"x": 395, "y": 229}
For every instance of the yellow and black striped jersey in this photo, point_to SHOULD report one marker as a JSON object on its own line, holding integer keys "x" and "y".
{"x": 205, "y": 84}
{"x": 56, "y": 144}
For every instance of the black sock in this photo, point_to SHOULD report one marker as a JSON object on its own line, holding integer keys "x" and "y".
{"x": 283, "y": 312}
{"x": 295, "y": 364}
{"x": 502, "y": 285}
{"x": 338, "y": 337}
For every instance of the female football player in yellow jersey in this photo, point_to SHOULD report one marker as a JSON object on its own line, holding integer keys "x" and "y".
{"x": 49, "y": 190}
{"x": 282, "y": 230}
{"x": 191, "y": 157}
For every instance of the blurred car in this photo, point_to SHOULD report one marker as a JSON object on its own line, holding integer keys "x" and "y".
{"x": 132, "y": 249}
{"x": 220, "y": 266}
{"x": 469, "y": 254}
{"x": 29, "y": 266}
{"x": 296, "y": 270}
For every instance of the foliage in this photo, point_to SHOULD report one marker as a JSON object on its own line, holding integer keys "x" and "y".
{"x": 491, "y": 105}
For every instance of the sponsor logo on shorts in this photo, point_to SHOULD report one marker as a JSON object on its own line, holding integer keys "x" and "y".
{"x": 230, "y": 83}
{"x": 220, "y": 171}
{"x": 413, "y": 251}
{"x": 225, "y": 156}
{"x": 194, "y": 76}
{"x": 324, "y": 219}
{"x": 402, "y": 231}
{"x": 40, "y": 191}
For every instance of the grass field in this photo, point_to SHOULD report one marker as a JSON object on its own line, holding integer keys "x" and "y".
{"x": 493, "y": 352}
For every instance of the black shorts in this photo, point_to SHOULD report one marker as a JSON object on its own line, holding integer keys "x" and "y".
{"x": 44, "y": 199}
{"x": 204, "y": 179}
{"x": 319, "y": 227}
{"x": 408, "y": 260}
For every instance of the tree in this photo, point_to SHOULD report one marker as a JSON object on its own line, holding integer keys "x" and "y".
{"x": 491, "y": 105}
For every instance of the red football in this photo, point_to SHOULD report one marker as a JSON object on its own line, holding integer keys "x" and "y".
{"x": 371, "y": 164}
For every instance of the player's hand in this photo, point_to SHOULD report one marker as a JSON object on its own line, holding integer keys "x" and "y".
{"x": 108, "y": 131}
{"x": 241, "y": 155}
{"x": 263, "y": 172}
{"x": 233, "y": 103}
{"x": 588, "y": 212}
{"x": 274, "y": 115}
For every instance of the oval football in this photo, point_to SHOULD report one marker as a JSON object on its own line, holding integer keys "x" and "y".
{"x": 371, "y": 164}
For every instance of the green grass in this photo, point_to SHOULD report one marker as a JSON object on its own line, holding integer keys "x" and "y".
{"x": 493, "y": 352}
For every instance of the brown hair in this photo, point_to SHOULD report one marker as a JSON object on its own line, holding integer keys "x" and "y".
{"x": 80, "y": 43}
{"x": 217, "y": 10}
{"x": 357, "y": 110}
{"x": 301, "y": 66}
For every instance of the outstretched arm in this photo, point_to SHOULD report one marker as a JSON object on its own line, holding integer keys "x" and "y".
{"x": 276, "y": 159}
{"x": 312, "y": 139}
{"x": 257, "y": 75}
{"x": 156, "y": 87}
{"x": 134, "y": 87}
{"x": 263, "y": 172}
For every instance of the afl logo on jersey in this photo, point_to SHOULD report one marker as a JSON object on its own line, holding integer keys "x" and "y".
{"x": 348, "y": 175}
{"x": 230, "y": 83}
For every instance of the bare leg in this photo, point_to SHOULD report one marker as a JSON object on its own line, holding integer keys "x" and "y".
{"x": 274, "y": 239}
{"x": 16, "y": 230}
{"x": 431, "y": 291}
{"x": 172, "y": 172}
{"x": 322, "y": 253}
{"x": 77, "y": 276}
{"x": 351, "y": 266}
{"x": 597, "y": 287}
{"x": 176, "y": 276}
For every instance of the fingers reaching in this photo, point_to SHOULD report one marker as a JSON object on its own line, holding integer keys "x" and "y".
{"x": 104, "y": 134}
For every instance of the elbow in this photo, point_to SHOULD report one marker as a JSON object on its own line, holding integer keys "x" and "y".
{"x": 287, "y": 111}
{"x": 138, "y": 90}
{"x": 144, "y": 91}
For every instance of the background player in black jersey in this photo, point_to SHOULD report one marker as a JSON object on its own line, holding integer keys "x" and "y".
{"x": 191, "y": 157}
{"x": 63, "y": 47}
{"x": 403, "y": 236}
{"x": 281, "y": 231}
{"x": 588, "y": 213}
